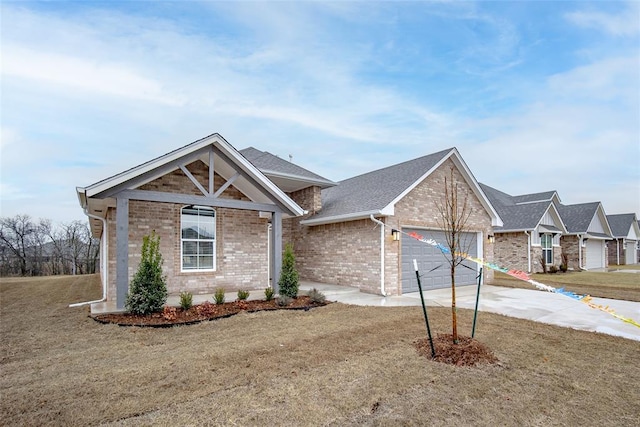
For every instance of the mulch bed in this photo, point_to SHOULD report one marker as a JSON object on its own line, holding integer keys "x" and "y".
{"x": 173, "y": 316}
{"x": 467, "y": 352}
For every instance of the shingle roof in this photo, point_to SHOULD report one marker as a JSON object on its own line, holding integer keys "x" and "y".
{"x": 269, "y": 163}
{"x": 536, "y": 197}
{"x": 578, "y": 217}
{"x": 373, "y": 191}
{"x": 517, "y": 216}
{"x": 620, "y": 224}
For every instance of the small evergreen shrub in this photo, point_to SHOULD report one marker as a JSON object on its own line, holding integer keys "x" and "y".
{"x": 268, "y": 294}
{"x": 316, "y": 297}
{"x": 186, "y": 300}
{"x": 283, "y": 300}
{"x": 288, "y": 282}
{"x": 553, "y": 269}
{"x": 243, "y": 295}
{"x": 148, "y": 291}
{"x": 218, "y": 296}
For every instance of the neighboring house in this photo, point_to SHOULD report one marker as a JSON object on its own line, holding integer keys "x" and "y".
{"x": 588, "y": 230}
{"x": 217, "y": 216}
{"x": 531, "y": 231}
{"x": 223, "y": 216}
{"x": 626, "y": 234}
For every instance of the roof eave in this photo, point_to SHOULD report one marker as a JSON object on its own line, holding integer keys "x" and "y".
{"x": 344, "y": 218}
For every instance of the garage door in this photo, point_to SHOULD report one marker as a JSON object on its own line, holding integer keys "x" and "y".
{"x": 630, "y": 254}
{"x": 430, "y": 258}
{"x": 595, "y": 251}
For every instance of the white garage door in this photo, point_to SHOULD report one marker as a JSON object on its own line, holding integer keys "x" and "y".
{"x": 595, "y": 254}
{"x": 630, "y": 254}
{"x": 431, "y": 258}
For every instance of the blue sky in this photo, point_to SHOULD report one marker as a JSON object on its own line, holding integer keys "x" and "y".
{"x": 536, "y": 95}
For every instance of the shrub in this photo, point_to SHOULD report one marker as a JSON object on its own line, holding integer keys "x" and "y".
{"x": 283, "y": 300}
{"x": 316, "y": 297}
{"x": 543, "y": 263}
{"x": 205, "y": 309}
{"x": 564, "y": 266}
{"x": 268, "y": 294}
{"x": 218, "y": 296}
{"x": 553, "y": 269}
{"x": 186, "y": 300}
{"x": 148, "y": 292}
{"x": 288, "y": 282}
{"x": 243, "y": 295}
{"x": 169, "y": 313}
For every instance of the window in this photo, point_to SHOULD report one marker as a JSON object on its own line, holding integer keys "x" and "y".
{"x": 546, "y": 241}
{"x": 198, "y": 238}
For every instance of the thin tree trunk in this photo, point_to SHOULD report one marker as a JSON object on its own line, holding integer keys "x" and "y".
{"x": 454, "y": 316}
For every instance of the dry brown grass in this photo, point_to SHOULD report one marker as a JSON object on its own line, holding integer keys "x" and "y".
{"x": 625, "y": 286}
{"x": 335, "y": 365}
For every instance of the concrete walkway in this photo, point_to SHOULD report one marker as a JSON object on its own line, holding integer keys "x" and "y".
{"x": 532, "y": 304}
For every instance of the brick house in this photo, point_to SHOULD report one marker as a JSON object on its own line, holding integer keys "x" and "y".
{"x": 625, "y": 230}
{"x": 588, "y": 230}
{"x": 225, "y": 226}
{"x": 219, "y": 218}
{"x": 532, "y": 229}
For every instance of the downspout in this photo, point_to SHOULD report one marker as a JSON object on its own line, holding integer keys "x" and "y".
{"x": 580, "y": 237}
{"x": 528, "y": 251}
{"x": 104, "y": 262}
{"x": 618, "y": 251}
{"x": 382, "y": 234}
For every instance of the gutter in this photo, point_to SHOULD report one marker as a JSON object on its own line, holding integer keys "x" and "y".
{"x": 104, "y": 272}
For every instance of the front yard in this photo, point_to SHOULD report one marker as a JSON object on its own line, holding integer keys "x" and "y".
{"x": 615, "y": 285}
{"x": 333, "y": 365}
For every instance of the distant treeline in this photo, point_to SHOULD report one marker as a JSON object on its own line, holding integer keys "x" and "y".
{"x": 30, "y": 248}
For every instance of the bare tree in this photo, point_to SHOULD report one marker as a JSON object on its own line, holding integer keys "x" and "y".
{"x": 453, "y": 215}
{"x": 16, "y": 234}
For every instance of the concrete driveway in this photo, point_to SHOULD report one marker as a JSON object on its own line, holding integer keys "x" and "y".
{"x": 532, "y": 304}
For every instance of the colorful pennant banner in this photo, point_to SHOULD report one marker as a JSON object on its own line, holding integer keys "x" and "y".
{"x": 586, "y": 299}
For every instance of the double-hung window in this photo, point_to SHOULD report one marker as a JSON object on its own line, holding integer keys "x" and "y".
{"x": 546, "y": 241}
{"x": 198, "y": 238}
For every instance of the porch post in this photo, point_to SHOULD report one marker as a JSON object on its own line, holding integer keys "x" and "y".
{"x": 122, "y": 251}
{"x": 276, "y": 248}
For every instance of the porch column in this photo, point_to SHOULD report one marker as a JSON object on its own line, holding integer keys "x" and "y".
{"x": 276, "y": 249}
{"x": 122, "y": 251}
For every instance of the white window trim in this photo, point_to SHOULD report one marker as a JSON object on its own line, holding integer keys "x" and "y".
{"x": 214, "y": 240}
{"x": 550, "y": 248}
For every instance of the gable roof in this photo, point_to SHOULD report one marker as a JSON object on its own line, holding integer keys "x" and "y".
{"x": 521, "y": 213}
{"x": 377, "y": 192}
{"x": 578, "y": 218}
{"x": 251, "y": 182}
{"x": 621, "y": 224}
{"x": 286, "y": 175}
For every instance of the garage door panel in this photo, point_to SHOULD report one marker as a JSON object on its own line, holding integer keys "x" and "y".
{"x": 432, "y": 263}
{"x": 594, "y": 252}
{"x": 630, "y": 253}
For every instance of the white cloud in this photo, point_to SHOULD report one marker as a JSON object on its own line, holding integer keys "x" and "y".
{"x": 625, "y": 23}
{"x": 91, "y": 76}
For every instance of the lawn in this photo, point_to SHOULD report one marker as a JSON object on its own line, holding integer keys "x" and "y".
{"x": 334, "y": 365}
{"x": 620, "y": 285}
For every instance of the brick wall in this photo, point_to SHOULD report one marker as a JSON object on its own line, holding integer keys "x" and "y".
{"x": 510, "y": 251}
{"x": 571, "y": 247}
{"x": 241, "y": 238}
